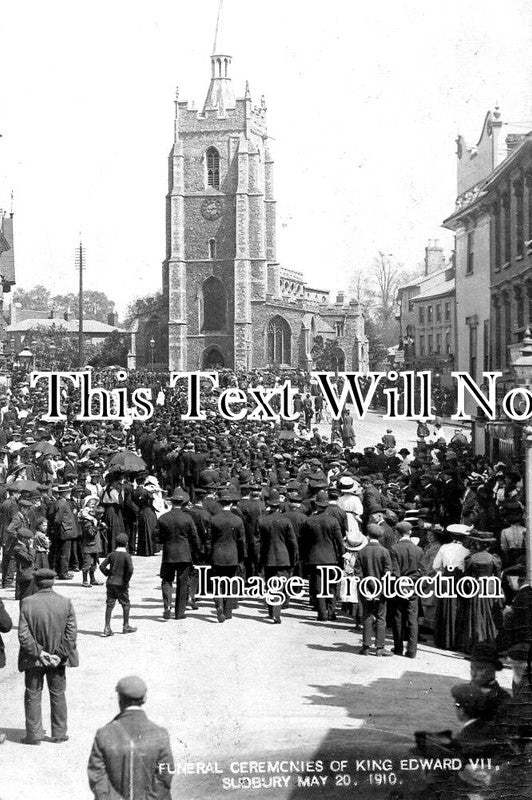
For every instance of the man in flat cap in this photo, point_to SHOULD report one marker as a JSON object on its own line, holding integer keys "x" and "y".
{"x": 131, "y": 757}
{"x": 47, "y": 635}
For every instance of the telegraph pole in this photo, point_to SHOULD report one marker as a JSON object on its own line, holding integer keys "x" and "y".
{"x": 80, "y": 266}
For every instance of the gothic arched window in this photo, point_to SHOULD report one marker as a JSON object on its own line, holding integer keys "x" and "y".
{"x": 213, "y": 168}
{"x": 278, "y": 341}
{"x": 213, "y": 307}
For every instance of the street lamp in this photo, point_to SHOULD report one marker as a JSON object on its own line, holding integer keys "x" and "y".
{"x": 26, "y": 358}
{"x": 52, "y": 348}
{"x": 522, "y": 367}
{"x": 152, "y": 348}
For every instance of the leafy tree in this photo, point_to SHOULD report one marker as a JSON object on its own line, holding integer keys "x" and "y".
{"x": 326, "y": 354}
{"x": 151, "y": 305}
{"x": 38, "y": 298}
{"x": 53, "y": 348}
{"x": 113, "y": 351}
{"x": 96, "y": 305}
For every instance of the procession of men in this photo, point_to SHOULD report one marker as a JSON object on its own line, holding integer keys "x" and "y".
{"x": 83, "y": 502}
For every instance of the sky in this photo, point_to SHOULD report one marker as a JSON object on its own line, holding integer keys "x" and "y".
{"x": 365, "y": 101}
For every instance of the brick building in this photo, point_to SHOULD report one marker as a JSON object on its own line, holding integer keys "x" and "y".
{"x": 427, "y": 316}
{"x": 493, "y": 235}
{"x": 229, "y": 301}
{"x": 7, "y": 266}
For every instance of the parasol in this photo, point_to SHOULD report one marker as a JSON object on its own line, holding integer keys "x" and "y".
{"x": 24, "y": 486}
{"x": 45, "y": 447}
{"x": 130, "y": 462}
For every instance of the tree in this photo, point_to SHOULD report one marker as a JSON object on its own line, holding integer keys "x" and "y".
{"x": 376, "y": 289}
{"x": 37, "y": 298}
{"x": 54, "y": 348}
{"x": 151, "y": 305}
{"x": 327, "y": 355}
{"x": 96, "y": 305}
{"x": 112, "y": 351}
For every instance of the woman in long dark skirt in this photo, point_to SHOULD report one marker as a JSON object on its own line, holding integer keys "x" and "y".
{"x": 479, "y": 618}
{"x": 450, "y": 561}
{"x": 113, "y": 502}
{"x": 147, "y": 522}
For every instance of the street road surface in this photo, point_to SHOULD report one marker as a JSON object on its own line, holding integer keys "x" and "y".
{"x": 241, "y": 691}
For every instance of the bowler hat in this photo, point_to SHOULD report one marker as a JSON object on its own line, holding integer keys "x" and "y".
{"x": 274, "y": 498}
{"x": 322, "y": 499}
{"x": 519, "y": 651}
{"x": 486, "y": 653}
{"x": 472, "y": 699}
{"x": 179, "y": 496}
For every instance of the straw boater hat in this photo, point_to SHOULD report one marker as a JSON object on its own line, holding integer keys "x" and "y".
{"x": 355, "y": 541}
{"x": 346, "y": 484}
{"x": 482, "y": 536}
{"x": 458, "y": 530}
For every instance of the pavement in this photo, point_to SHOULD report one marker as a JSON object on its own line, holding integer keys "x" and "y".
{"x": 236, "y": 696}
{"x": 232, "y": 694}
{"x": 369, "y": 430}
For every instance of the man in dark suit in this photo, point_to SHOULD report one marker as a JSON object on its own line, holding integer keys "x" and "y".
{"x": 47, "y": 635}
{"x": 8, "y": 510}
{"x": 64, "y": 531}
{"x": 202, "y": 521}
{"x": 181, "y": 549}
{"x": 131, "y": 756}
{"x": 324, "y": 547}
{"x": 251, "y": 508}
{"x": 373, "y": 561}
{"x": 406, "y": 561}
{"x": 278, "y": 547}
{"x": 6, "y": 624}
{"x": 226, "y": 549}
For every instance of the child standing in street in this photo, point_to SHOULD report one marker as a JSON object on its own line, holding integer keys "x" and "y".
{"x": 118, "y": 568}
{"x": 41, "y": 542}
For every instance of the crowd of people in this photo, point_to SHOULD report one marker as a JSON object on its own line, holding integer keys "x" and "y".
{"x": 254, "y": 498}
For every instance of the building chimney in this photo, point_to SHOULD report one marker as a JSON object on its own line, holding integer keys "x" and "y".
{"x": 513, "y": 140}
{"x": 112, "y": 319}
{"x": 67, "y": 315}
{"x": 52, "y": 313}
{"x": 16, "y": 308}
{"x": 434, "y": 258}
{"x": 340, "y": 299}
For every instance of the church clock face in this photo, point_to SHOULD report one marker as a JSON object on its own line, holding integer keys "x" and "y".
{"x": 212, "y": 208}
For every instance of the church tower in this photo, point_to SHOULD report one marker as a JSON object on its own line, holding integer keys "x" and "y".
{"x": 220, "y": 223}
